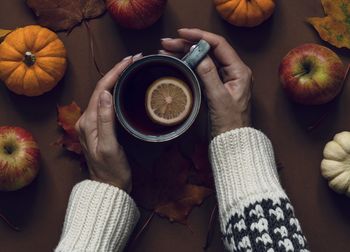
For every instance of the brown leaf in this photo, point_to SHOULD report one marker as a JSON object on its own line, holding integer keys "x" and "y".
{"x": 161, "y": 181}
{"x": 166, "y": 187}
{"x": 67, "y": 118}
{"x": 187, "y": 198}
{"x": 335, "y": 27}
{"x": 61, "y": 15}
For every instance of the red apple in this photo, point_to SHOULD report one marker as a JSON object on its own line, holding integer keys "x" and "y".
{"x": 136, "y": 14}
{"x": 312, "y": 74}
{"x": 19, "y": 158}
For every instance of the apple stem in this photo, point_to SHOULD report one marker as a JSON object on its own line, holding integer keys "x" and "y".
{"x": 210, "y": 228}
{"x": 8, "y": 150}
{"x": 15, "y": 228}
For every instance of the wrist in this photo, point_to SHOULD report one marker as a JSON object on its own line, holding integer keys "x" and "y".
{"x": 123, "y": 184}
{"x": 230, "y": 127}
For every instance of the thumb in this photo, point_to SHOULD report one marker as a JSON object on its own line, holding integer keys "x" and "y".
{"x": 209, "y": 75}
{"x": 106, "y": 121}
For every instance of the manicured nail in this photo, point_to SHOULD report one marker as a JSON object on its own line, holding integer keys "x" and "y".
{"x": 105, "y": 99}
{"x": 165, "y": 39}
{"x": 137, "y": 56}
{"x": 127, "y": 58}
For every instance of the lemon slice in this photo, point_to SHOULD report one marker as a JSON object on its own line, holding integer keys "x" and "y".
{"x": 168, "y": 101}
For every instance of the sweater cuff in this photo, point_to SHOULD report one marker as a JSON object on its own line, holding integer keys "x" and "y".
{"x": 244, "y": 167}
{"x": 99, "y": 217}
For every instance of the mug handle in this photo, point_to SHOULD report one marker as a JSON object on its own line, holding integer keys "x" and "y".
{"x": 196, "y": 54}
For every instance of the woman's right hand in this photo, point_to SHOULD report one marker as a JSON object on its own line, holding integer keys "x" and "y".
{"x": 227, "y": 86}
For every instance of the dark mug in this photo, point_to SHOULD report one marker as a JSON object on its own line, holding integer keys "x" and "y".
{"x": 129, "y": 92}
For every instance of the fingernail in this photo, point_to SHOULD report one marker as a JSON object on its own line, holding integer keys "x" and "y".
{"x": 105, "y": 99}
{"x": 164, "y": 39}
{"x": 127, "y": 58}
{"x": 137, "y": 56}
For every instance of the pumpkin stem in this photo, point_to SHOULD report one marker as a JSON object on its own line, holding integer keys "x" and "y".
{"x": 29, "y": 59}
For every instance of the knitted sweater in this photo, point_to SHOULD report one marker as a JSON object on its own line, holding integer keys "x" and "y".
{"x": 255, "y": 213}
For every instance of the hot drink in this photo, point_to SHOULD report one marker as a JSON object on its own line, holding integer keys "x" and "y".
{"x": 142, "y": 84}
{"x": 157, "y": 98}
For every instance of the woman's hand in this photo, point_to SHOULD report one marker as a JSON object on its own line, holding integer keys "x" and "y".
{"x": 227, "y": 86}
{"x": 106, "y": 159}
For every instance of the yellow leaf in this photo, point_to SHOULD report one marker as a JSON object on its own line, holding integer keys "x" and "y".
{"x": 335, "y": 27}
{"x": 3, "y": 33}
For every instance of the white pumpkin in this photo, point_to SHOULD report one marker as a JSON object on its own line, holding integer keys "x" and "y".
{"x": 335, "y": 166}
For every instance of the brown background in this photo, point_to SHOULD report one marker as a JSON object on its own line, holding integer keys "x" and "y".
{"x": 39, "y": 209}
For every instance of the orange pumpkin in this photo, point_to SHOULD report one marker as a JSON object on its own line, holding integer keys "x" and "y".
{"x": 32, "y": 60}
{"x": 246, "y": 13}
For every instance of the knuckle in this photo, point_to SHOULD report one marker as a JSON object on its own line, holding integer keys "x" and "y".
{"x": 205, "y": 67}
{"x": 81, "y": 125}
{"x": 221, "y": 39}
{"x": 249, "y": 71}
{"x": 105, "y": 152}
{"x": 247, "y": 74}
{"x": 104, "y": 117}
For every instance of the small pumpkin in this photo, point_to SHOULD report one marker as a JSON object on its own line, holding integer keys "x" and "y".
{"x": 32, "y": 60}
{"x": 335, "y": 166}
{"x": 245, "y": 13}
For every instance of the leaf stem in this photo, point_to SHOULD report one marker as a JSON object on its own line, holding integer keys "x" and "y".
{"x": 210, "y": 228}
{"x": 15, "y": 228}
{"x": 92, "y": 47}
{"x": 142, "y": 229}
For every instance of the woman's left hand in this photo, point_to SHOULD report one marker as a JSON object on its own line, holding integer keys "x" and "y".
{"x": 106, "y": 159}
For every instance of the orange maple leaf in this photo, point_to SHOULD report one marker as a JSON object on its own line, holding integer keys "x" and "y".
{"x": 67, "y": 118}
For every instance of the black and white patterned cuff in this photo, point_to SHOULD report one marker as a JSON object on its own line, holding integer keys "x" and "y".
{"x": 265, "y": 224}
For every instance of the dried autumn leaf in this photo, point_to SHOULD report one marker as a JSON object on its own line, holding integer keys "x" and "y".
{"x": 61, "y": 15}
{"x": 166, "y": 189}
{"x": 160, "y": 182}
{"x": 178, "y": 210}
{"x": 335, "y": 27}
{"x": 71, "y": 144}
{"x": 3, "y": 33}
{"x": 66, "y": 118}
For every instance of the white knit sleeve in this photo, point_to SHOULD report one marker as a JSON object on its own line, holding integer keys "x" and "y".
{"x": 99, "y": 217}
{"x": 255, "y": 212}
